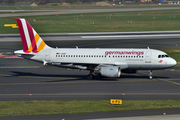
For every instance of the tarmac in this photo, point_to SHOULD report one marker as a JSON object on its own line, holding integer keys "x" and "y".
{"x": 20, "y": 77}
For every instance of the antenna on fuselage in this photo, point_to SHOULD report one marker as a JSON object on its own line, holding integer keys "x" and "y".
{"x": 76, "y": 47}
{"x": 148, "y": 47}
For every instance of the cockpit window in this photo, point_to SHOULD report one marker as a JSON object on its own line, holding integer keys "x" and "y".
{"x": 166, "y": 55}
{"x": 162, "y": 56}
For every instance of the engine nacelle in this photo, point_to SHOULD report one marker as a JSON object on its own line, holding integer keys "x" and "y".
{"x": 113, "y": 71}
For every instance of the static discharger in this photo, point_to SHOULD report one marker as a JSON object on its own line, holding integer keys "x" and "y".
{"x": 116, "y": 101}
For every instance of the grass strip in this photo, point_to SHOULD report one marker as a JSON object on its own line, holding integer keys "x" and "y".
{"x": 174, "y": 53}
{"x": 160, "y": 20}
{"x": 26, "y": 108}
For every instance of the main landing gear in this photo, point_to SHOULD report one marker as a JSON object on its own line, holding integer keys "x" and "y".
{"x": 150, "y": 74}
{"x": 90, "y": 76}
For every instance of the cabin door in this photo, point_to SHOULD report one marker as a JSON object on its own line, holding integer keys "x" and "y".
{"x": 48, "y": 55}
{"x": 148, "y": 57}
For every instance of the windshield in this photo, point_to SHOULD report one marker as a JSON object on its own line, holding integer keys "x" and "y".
{"x": 163, "y": 56}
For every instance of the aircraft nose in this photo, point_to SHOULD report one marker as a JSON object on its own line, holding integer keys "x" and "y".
{"x": 173, "y": 62}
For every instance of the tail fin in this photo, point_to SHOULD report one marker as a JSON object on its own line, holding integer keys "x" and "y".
{"x": 31, "y": 41}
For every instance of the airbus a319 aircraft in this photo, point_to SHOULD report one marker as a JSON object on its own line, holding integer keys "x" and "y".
{"x": 105, "y": 62}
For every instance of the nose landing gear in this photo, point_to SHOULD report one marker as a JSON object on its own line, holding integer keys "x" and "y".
{"x": 150, "y": 74}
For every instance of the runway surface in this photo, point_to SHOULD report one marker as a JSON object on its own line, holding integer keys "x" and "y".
{"x": 172, "y": 114}
{"x": 75, "y": 11}
{"x": 21, "y": 77}
{"x": 25, "y": 80}
{"x": 12, "y": 42}
{"x": 50, "y": 83}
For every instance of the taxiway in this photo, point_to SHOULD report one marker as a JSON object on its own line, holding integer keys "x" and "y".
{"x": 24, "y": 80}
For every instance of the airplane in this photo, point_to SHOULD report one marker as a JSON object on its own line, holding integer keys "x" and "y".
{"x": 107, "y": 62}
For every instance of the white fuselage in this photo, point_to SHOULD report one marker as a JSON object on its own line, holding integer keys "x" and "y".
{"x": 138, "y": 59}
{"x": 106, "y": 62}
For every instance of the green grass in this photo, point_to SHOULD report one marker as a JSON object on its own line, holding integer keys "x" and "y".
{"x": 101, "y": 22}
{"x": 174, "y": 53}
{"x": 24, "y": 108}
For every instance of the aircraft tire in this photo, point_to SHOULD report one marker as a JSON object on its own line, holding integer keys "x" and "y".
{"x": 90, "y": 77}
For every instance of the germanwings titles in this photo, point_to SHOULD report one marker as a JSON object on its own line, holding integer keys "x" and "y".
{"x": 105, "y": 62}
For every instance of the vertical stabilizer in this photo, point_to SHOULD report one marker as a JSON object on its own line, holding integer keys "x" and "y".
{"x": 31, "y": 41}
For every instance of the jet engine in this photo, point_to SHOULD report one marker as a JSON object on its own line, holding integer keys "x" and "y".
{"x": 113, "y": 71}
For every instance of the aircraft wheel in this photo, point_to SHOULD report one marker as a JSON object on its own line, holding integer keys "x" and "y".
{"x": 150, "y": 74}
{"x": 90, "y": 76}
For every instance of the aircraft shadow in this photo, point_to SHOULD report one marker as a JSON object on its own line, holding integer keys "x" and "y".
{"x": 63, "y": 78}
{"x": 48, "y": 76}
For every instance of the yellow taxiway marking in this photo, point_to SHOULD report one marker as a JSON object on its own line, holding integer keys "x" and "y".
{"x": 62, "y": 82}
{"x": 48, "y": 77}
{"x": 4, "y": 75}
{"x": 170, "y": 81}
